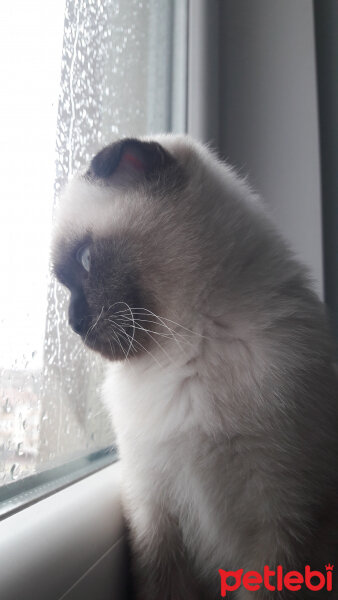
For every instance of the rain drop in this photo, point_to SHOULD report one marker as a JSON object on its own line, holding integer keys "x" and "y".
{"x": 7, "y": 406}
{"x": 15, "y": 471}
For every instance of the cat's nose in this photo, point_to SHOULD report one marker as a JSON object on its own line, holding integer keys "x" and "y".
{"x": 78, "y": 313}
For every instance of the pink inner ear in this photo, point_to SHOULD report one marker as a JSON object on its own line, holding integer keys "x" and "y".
{"x": 132, "y": 160}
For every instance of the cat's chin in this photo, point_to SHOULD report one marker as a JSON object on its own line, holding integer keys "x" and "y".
{"x": 110, "y": 349}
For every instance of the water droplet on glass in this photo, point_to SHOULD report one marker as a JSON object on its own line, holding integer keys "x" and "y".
{"x": 44, "y": 417}
{"x": 25, "y": 424}
{"x": 15, "y": 471}
{"x": 7, "y": 406}
{"x": 20, "y": 451}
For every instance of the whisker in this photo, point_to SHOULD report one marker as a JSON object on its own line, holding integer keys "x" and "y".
{"x": 146, "y": 312}
{"x": 133, "y": 336}
{"x": 137, "y": 326}
{"x": 152, "y": 333}
{"x": 93, "y": 326}
{"x": 172, "y": 334}
{"x": 117, "y": 339}
{"x": 156, "y": 342}
{"x": 123, "y": 332}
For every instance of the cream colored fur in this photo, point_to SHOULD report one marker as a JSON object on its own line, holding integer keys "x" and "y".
{"x": 227, "y": 427}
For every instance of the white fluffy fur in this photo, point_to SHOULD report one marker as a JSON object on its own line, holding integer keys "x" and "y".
{"x": 226, "y": 434}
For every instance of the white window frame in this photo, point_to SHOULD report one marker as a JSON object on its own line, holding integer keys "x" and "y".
{"x": 68, "y": 545}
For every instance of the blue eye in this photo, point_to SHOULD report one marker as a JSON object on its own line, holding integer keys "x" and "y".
{"x": 83, "y": 257}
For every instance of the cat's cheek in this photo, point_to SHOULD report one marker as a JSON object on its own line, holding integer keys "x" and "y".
{"x": 78, "y": 312}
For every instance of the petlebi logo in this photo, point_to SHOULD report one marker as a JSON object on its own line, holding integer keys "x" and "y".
{"x": 276, "y": 580}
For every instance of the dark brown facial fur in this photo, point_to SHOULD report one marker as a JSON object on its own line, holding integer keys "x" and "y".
{"x": 148, "y": 158}
{"x": 102, "y": 299}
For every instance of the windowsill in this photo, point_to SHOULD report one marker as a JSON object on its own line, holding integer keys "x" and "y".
{"x": 20, "y": 494}
{"x": 48, "y": 547}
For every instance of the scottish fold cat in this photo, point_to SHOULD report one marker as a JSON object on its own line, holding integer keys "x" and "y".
{"x": 220, "y": 378}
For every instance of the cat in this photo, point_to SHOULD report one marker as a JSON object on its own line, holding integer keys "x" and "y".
{"x": 220, "y": 377}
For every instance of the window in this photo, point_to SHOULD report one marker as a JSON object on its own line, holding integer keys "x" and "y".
{"x": 81, "y": 72}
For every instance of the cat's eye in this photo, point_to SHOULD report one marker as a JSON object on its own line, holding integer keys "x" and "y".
{"x": 84, "y": 258}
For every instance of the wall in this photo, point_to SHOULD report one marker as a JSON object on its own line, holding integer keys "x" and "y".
{"x": 268, "y": 113}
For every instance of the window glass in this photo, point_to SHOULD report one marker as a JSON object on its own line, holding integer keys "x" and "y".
{"x": 78, "y": 74}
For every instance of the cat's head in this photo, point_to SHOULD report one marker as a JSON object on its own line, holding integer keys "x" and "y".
{"x": 136, "y": 238}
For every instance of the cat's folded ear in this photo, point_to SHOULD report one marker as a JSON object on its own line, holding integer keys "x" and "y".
{"x": 129, "y": 160}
